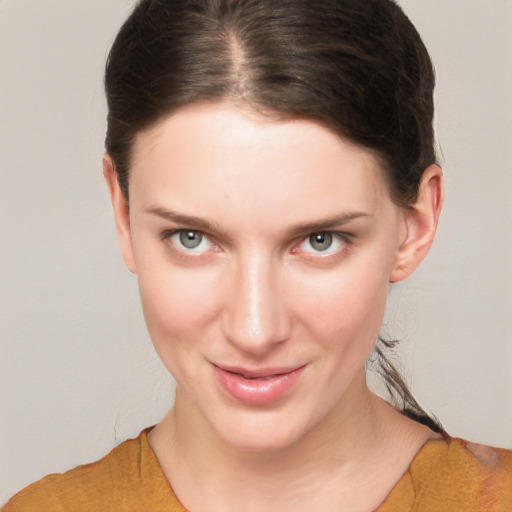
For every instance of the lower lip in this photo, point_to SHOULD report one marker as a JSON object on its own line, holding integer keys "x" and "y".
{"x": 259, "y": 391}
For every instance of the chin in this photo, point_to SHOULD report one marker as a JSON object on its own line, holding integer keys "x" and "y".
{"x": 261, "y": 444}
{"x": 261, "y": 434}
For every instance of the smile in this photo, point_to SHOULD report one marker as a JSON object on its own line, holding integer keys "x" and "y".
{"x": 257, "y": 387}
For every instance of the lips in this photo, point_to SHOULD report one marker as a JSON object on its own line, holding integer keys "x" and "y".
{"x": 257, "y": 387}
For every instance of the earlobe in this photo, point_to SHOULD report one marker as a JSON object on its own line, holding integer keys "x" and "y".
{"x": 421, "y": 221}
{"x": 121, "y": 213}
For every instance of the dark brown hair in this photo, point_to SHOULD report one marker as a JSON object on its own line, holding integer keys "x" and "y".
{"x": 358, "y": 67}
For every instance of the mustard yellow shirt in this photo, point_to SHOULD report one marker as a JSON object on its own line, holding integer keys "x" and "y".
{"x": 445, "y": 476}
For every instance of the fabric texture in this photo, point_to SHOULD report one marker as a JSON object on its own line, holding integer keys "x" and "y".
{"x": 450, "y": 475}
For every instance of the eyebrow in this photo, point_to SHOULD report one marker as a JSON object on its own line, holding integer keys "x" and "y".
{"x": 186, "y": 220}
{"x": 334, "y": 221}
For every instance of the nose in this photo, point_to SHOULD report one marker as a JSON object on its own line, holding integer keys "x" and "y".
{"x": 255, "y": 318}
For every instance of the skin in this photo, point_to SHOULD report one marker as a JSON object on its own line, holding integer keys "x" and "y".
{"x": 257, "y": 293}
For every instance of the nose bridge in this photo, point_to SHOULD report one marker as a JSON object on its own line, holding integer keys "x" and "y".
{"x": 255, "y": 317}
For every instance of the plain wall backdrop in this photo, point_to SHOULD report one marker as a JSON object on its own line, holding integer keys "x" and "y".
{"x": 77, "y": 369}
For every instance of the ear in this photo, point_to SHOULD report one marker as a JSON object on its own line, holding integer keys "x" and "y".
{"x": 121, "y": 213}
{"x": 420, "y": 224}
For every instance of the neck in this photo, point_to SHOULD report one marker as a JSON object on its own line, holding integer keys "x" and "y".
{"x": 340, "y": 452}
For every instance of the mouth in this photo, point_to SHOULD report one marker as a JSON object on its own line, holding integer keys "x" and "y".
{"x": 257, "y": 386}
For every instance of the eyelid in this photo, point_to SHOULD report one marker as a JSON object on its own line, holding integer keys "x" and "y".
{"x": 167, "y": 236}
{"x": 344, "y": 238}
{"x": 341, "y": 237}
{"x": 167, "y": 233}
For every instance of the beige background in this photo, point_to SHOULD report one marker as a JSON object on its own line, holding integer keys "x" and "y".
{"x": 77, "y": 370}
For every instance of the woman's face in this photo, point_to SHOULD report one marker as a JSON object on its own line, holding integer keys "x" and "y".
{"x": 263, "y": 251}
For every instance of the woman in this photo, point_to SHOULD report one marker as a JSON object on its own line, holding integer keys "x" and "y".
{"x": 271, "y": 168}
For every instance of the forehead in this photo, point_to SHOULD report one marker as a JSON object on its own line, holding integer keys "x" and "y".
{"x": 223, "y": 155}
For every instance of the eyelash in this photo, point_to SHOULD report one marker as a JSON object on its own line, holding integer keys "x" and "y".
{"x": 345, "y": 239}
{"x": 167, "y": 236}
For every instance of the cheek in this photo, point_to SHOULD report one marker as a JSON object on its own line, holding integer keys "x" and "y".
{"x": 177, "y": 303}
{"x": 347, "y": 305}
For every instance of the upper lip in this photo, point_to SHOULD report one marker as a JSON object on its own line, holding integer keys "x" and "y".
{"x": 259, "y": 372}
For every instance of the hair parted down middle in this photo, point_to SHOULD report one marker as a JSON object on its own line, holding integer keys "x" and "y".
{"x": 357, "y": 67}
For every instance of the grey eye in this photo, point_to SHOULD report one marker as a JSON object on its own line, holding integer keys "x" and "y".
{"x": 321, "y": 241}
{"x": 191, "y": 239}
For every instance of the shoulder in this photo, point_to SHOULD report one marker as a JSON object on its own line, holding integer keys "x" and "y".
{"x": 126, "y": 479}
{"x": 454, "y": 474}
